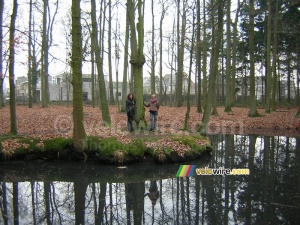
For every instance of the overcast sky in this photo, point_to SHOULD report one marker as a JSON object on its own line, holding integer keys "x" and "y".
{"x": 58, "y": 52}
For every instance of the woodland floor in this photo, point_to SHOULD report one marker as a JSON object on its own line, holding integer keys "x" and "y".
{"x": 57, "y": 121}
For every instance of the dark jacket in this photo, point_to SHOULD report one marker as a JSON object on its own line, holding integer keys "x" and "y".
{"x": 130, "y": 107}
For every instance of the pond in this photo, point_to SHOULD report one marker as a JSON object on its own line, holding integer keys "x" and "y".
{"x": 78, "y": 193}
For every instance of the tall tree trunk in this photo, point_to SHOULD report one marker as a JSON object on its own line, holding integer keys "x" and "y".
{"x": 216, "y": 93}
{"x": 125, "y": 67}
{"x": 275, "y": 57}
{"x": 76, "y": 63}
{"x": 298, "y": 71}
{"x": 289, "y": 71}
{"x": 1, "y": 56}
{"x": 34, "y": 77}
{"x": 29, "y": 58}
{"x": 268, "y": 58}
{"x": 228, "y": 60}
{"x": 234, "y": 56}
{"x": 172, "y": 60}
{"x": 253, "y": 108}
{"x": 12, "y": 88}
{"x": 93, "y": 75}
{"x": 111, "y": 86}
{"x": 117, "y": 60}
{"x": 137, "y": 58}
{"x": 152, "y": 51}
{"x": 180, "y": 58}
{"x": 188, "y": 100}
{"x": 44, "y": 72}
{"x": 198, "y": 58}
{"x": 103, "y": 99}
{"x": 214, "y": 69}
{"x": 161, "y": 51}
{"x": 204, "y": 83}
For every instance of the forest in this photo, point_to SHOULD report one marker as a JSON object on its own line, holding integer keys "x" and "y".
{"x": 196, "y": 53}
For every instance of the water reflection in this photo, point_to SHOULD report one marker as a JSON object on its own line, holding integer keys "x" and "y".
{"x": 147, "y": 194}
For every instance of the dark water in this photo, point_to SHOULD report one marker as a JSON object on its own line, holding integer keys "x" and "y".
{"x": 75, "y": 193}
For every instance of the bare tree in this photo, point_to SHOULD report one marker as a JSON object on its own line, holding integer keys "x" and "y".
{"x": 125, "y": 66}
{"x": 29, "y": 72}
{"x": 102, "y": 90}
{"x": 12, "y": 88}
{"x": 180, "y": 51}
{"x": 163, "y": 13}
{"x": 188, "y": 101}
{"x": 111, "y": 88}
{"x": 269, "y": 67}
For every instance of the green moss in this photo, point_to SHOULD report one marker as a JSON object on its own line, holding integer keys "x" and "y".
{"x": 136, "y": 148}
{"x": 57, "y": 144}
{"x": 168, "y": 151}
{"x": 106, "y": 147}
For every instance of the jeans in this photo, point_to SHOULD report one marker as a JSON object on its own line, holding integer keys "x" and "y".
{"x": 153, "y": 120}
{"x": 129, "y": 123}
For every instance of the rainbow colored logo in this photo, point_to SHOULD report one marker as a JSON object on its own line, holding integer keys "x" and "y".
{"x": 185, "y": 170}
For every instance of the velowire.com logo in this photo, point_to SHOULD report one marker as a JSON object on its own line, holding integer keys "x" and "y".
{"x": 187, "y": 171}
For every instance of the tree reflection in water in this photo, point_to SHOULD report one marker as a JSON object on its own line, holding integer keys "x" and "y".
{"x": 152, "y": 194}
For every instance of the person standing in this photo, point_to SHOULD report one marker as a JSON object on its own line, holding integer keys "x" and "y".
{"x": 130, "y": 103}
{"x": 153, "y": 109}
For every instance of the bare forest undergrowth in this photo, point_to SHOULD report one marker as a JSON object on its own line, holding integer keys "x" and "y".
{"x": 56, "y": 121}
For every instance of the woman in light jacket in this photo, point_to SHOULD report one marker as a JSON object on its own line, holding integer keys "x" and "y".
{"x": 153, "y": 109}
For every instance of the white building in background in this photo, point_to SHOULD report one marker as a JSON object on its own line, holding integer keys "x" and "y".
{"x": 60, "y": 88}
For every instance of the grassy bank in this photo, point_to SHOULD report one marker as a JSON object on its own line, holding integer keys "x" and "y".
{"x": 111, "y": 150}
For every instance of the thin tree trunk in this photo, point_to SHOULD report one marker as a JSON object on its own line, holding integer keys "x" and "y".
{"x": 188, "y": 100}
{"x": 117, "y": 60}
{"x": 204, "y": 83}
{"x": 161, "y": 51}
{"x": 44, "y": 72}
{"x": 103, "y": 99}
{"x": 78, "y": 120}
{"x": 152, "y": 51}
{"x": 198, "y": 59}
{"x": 12, "y": 88}
{"x": 111, "y": 87}
{"x": 234, "y": 56}
{"x": 275, "y": 57}
{"x": 268, "y": 58}
{"x": 180, "y": 54}
{"x": 29, "y": 58}
{"x": 289, "y": 71}
{"x": 298, "y": 70}
{"x": 125, "y": 67}
{"x": 228, "y": 60}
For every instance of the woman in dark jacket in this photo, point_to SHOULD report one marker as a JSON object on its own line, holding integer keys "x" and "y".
{"x": 130, "y": 102}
